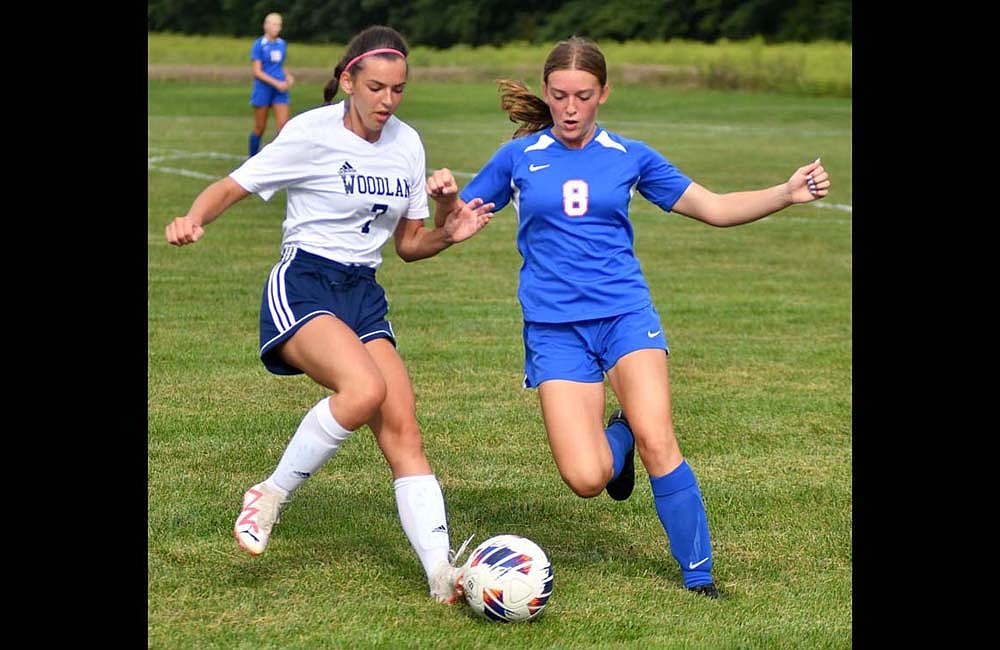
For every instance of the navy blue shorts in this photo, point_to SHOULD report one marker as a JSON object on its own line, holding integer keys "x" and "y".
{"x": 266, "y": 95}
{"x": 584, "y": 350}
{"x": 302, "y": 286}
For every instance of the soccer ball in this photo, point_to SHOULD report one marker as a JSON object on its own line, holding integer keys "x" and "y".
{"x": 507, "y": 578}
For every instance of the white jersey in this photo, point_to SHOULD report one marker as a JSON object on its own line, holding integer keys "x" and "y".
{"x": 345, "y": 194}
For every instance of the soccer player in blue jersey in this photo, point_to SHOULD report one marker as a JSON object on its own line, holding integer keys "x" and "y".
{"x": 586, "y": 306}
{"x": 270, "y": 81}
{"x": 355, "y": 176}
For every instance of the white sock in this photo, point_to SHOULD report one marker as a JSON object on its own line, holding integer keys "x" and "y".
{"x": 315, "y": 442}
{"x": 422, "y": 513}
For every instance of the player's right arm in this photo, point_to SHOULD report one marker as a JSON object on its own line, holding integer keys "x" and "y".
{"x": 258, "y": 72}
{"x": 213, "y": 201}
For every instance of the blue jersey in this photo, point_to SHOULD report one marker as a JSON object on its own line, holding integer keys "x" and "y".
{"x": 271, "y": 55}
{"x": 574, "y": 232}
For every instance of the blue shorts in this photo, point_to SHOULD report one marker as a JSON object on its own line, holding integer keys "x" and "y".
{"x": 585, "y": 350}
{"x": 302, "y": 286}
{"x": 265, "y": 94}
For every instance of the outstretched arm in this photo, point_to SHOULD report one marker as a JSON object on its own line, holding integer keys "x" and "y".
{"x": 415, "y": 242}
{"x": 454, "y": 220}
{"x": 208, "y": 205}
{"x": 808, "y": 183}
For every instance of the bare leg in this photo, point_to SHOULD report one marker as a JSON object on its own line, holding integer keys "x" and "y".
{"x": 395, "y": 423}
{"x": 640, "y": 379}
{"x": 419, "y": 499}
{"x": 574, "y": 420}
{"x": 260, "y": 120}
{"x": 641, "y": 382}
{"x": 331, "y": 354}
{"x": 280, "y": 117}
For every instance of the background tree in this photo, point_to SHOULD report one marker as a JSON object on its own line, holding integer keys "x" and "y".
{"x": 432, "y": 23}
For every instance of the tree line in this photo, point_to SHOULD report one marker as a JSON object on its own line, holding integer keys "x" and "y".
{"x": 443, "y": 24}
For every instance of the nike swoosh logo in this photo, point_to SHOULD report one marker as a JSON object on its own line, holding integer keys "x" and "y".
{"x": 651, "y": 335}
{"x": 535, "y": 168}
{"x": 695, "y": 565}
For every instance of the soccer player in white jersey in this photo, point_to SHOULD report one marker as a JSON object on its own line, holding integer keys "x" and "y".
{"x": 355, "y": 176}
{"x": 586, "y": 306}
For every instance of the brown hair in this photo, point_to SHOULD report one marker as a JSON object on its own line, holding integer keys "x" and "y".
{"x": 529, "y": 111}
{"x": 376, "y": 37}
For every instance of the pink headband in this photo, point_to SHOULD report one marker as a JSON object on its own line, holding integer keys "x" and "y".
{"x": 381, "y": 50}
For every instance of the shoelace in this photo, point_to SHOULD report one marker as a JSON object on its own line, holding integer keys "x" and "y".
{"x": 454, "y": 555}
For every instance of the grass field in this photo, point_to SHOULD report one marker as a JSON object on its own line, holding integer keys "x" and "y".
{"x": 759, "y": 322}
{"x": 820, "y": 68}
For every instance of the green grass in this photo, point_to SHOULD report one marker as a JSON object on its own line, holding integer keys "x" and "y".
{"x": 759, "y": 322}
{"x": 822, "y": 68}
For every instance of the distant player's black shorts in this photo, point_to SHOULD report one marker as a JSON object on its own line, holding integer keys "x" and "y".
{"x": 302, "y": 286}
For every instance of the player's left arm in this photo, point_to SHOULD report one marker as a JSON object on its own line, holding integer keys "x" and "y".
{"x": 415, "y": 242}
{"x": 808, "y": 183}
{"x": 443, "y": 188}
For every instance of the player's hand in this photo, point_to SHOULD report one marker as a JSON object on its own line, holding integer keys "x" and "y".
{"x": 808, "y": 183}
{"x": 442, "y": 187}
{"x": 465, "y": 221}
{"x": 289, "y": 80}
{"x": 184, "y": 230}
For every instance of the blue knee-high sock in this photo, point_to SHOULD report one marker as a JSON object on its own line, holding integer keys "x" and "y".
{"x": 254, "y": 143}
{"x": 682, "y": 513}
{"x": 621, "y": 440}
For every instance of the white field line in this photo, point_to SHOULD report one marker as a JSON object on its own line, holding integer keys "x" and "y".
{"x": 163, "y": 155}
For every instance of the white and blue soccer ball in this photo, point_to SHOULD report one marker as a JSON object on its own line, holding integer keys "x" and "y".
{"x": 507, "y": 578}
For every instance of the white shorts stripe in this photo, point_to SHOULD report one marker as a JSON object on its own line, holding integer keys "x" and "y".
{"x": 277, "y": 300}
{"x": 371, "y": 334}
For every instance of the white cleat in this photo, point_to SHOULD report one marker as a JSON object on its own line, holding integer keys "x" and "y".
{"x": 446, "y": 582}
{"x": 261, "y": 511}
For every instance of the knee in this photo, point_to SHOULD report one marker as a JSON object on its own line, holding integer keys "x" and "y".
{"x": 369, "y": 395}
{"x": 586, "y": 486}
{"x": 363, "y": 399}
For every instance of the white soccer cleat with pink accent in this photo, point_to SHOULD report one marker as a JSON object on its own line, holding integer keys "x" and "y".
{"x": 261, "y": 511}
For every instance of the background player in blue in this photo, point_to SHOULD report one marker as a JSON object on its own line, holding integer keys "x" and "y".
{"x": 586, "y": 306}
{"x": 355, "y": 176}
{"x": 270, "y": 81}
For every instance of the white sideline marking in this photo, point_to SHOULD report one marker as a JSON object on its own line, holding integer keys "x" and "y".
{"x": 835, "y": 206}
{"x": 182, "y": 172}
{"x": 175, "y": 154}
